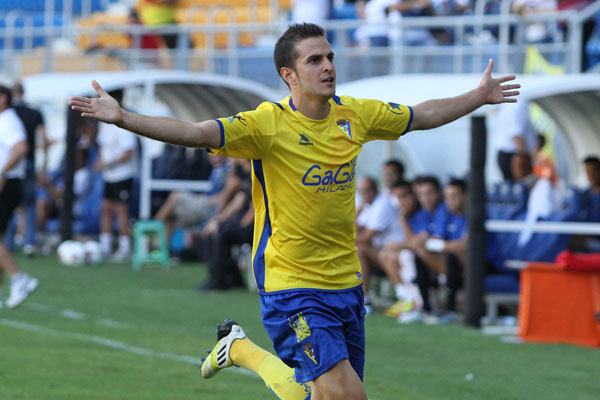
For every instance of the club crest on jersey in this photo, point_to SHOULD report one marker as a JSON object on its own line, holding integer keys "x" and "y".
{"x": 344, "y": 125}
{"x": 305, "y": 140}
{"x": 394, "y": 108}
{"x": 300, "y": 326}
{"x": 310, "y": 352}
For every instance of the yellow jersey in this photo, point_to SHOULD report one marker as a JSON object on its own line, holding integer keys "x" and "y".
{"x": 303, "y": 187}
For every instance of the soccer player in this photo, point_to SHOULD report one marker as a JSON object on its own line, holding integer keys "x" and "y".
{"x": 303, "y": 151}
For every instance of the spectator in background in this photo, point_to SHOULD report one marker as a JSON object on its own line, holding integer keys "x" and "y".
{"x": 447, "y": 8}
{"x": 156, "y": 13}
{"x": 588, "y": 27}
{"x": 590, "y": 207}
{"x": 150, "y": 43}
{"x": 381, "y": 226}
{"x": 393, "y": 172}
{"x": 117, "y": 162}
{"x": 374, "y": 31}
{"x": 233, "y": 224}
{"x": 417, "y": 230}
{"x": 516, "y": 134}
{"x": 535, "y": 32}
{"x": 367, "y": 193}
{"x": 415, "y": 8}
{"x": 398, "y": 261}
{"x": 543, "y": 167}
{"x": 445, "y": 251}
{"x": 521, "y": 169}
{"x": 33, "y": 121}
{"x": 13, "y": 150}
{"x": 182, "y": 209}
{"x": 312, "y": 11}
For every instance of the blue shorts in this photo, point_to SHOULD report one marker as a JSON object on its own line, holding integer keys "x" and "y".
{"x": 313, "y": 330}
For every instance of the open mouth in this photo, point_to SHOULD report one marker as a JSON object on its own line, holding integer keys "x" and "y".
{"x": 328, "y": 80}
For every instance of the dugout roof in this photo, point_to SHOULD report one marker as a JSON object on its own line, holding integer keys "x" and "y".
{"x": 572, "y": 101}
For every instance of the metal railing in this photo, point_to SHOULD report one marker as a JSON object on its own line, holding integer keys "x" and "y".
{"x": 467, "y": 53}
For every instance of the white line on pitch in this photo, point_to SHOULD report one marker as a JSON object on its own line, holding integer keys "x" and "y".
{"x": 75, "y": 315}
{"x": 114, "y": 344}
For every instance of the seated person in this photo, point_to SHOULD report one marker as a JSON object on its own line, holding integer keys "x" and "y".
{"x": 183, "y": 209}
{"x": 417, "y": 230}
{"x": 446, "y": 250}
{"x": 232, "y": 224}
{"x": 397, "y": 260}
{"x": 591, "y": 208}
{"x": 521, "y": 167}
{"x": 366, "y": 197}
{"x": 381, "y": 226}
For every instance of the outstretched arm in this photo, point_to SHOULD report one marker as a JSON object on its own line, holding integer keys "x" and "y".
{"x": 169, "y": 130}
{"x": 433, "y": 113}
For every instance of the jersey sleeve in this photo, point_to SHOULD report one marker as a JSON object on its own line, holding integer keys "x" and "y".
{"x": 387, "y": 121}
{"x": 248, "y": 134}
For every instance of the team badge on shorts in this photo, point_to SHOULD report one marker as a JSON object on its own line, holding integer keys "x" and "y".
{"x": 310, "y": 352}
{"x": 300, "y": 326}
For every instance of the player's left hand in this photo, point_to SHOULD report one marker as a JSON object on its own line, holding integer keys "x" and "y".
{"x": 496, "y": 91}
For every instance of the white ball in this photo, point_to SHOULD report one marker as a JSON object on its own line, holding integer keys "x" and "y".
{"x": 93, "y": 255}
{"x": 71, "y": 253}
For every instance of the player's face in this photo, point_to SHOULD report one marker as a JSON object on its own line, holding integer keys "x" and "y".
{"x": 315, "y": 72}
{"x": 454, "y": 199}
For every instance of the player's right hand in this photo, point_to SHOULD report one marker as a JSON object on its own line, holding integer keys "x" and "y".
{"x": 103, "y": 108}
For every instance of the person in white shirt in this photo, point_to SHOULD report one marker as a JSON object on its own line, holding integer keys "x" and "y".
{"x": 13, "y": 148}
{"x": 515, "y": 134}
{"x": 118, "y": 164}
{"x": 377, "y": 226}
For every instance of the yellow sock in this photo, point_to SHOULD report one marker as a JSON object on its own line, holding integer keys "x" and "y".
{"x": 278, "y": 377}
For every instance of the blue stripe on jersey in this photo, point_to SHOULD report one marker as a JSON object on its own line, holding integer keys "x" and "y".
{"x": 292, "y": 105}
{"x": 222, "y": 133}
{"x": 337, "y": 100}
{"x": 410, "y": 120}
{"x": 259, "y": 258}
{"x": 278, "y": 105}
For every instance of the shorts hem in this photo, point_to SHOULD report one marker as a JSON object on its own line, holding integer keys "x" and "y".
{"x": 323, "y": 368}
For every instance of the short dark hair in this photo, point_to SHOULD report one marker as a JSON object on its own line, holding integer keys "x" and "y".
{"x": 396, "y": 164}
{"x": 285, "y": 53}
{"x": 461, "y": 184}
{"x": 592, "y": 160}
{"x": 402, "y": 184}
{"x": 428, "y": 179}
{"x": 4, "y": 91}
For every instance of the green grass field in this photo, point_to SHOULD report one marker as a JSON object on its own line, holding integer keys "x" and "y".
{"x": 108, "y": 332}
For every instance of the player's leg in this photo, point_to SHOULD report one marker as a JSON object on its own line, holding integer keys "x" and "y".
{"x": 234, "y": 348}
{"x": 339, "y": 383}
{"x": 21, "y": 284}
{"x": 320, "y": 334}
